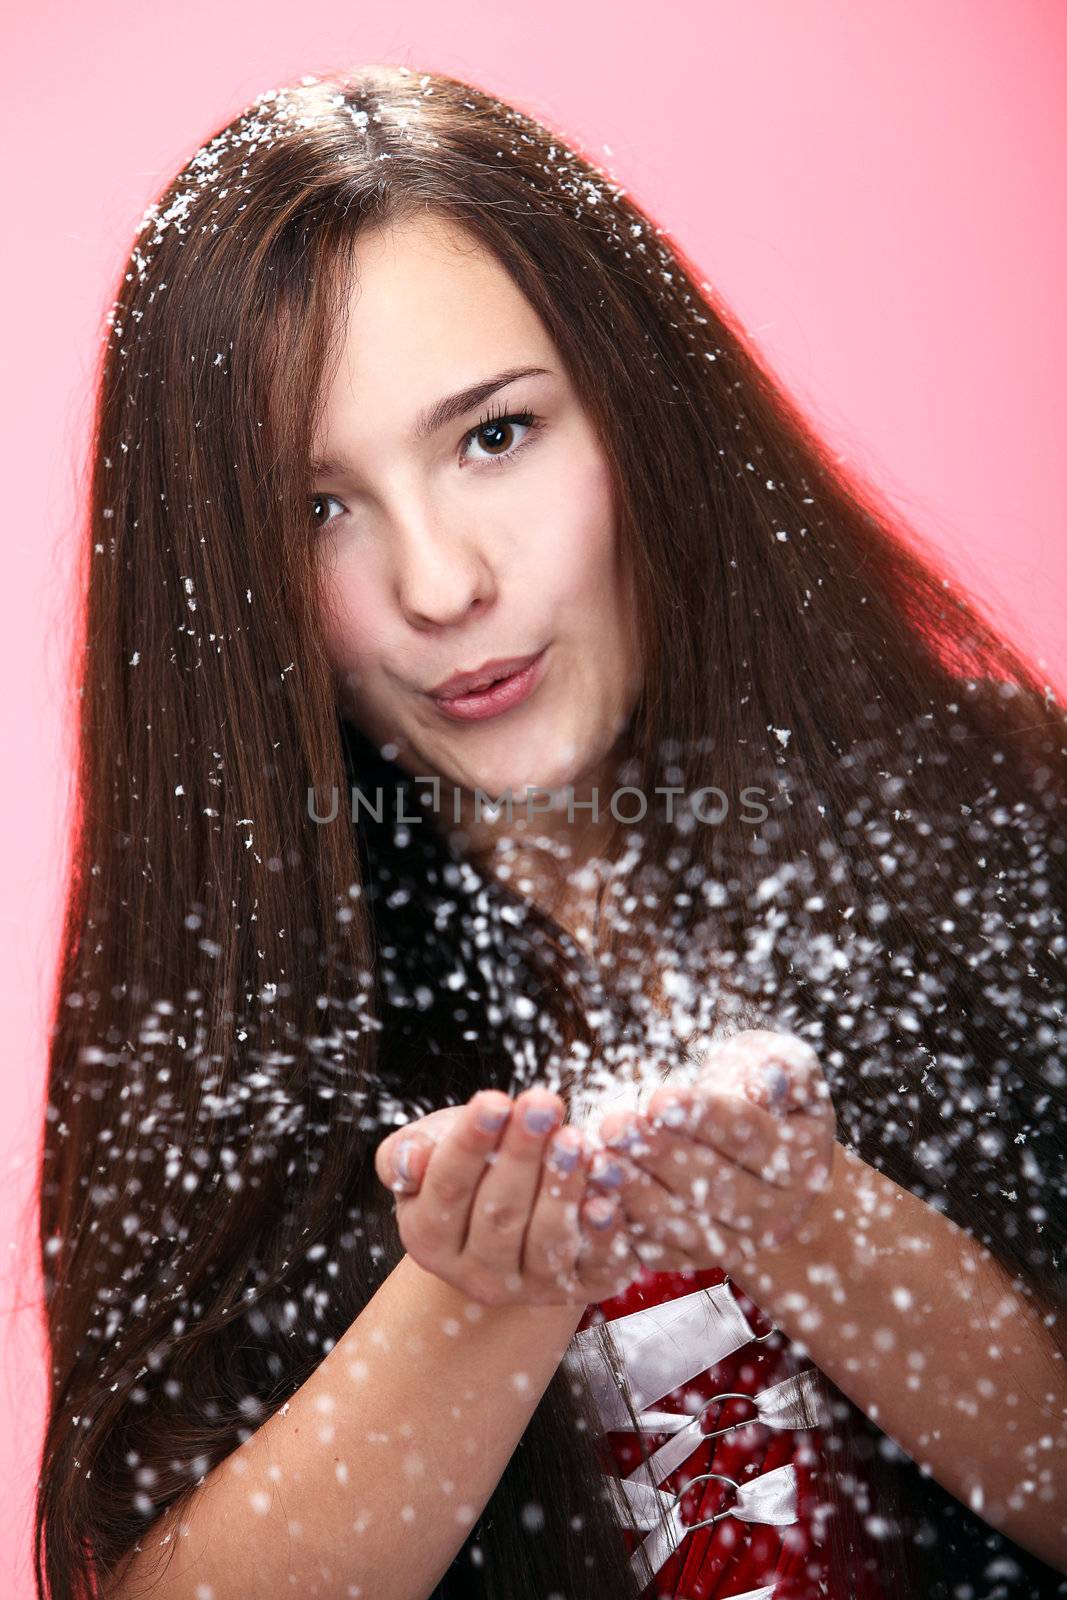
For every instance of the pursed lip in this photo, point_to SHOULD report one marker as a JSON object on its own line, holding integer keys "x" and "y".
{"x": 465, "y": 682}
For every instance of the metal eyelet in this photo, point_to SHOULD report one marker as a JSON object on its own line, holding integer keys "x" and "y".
{"x": 702, "y": 1478}
{"x": 730, "y": 1394}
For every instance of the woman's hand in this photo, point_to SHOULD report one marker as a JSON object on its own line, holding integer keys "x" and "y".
{"x": 490, "y": 1196}
{"x": 713, "y": 1172}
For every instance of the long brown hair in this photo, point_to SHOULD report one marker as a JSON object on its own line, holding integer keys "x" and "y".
{"x": 245, "y": 997}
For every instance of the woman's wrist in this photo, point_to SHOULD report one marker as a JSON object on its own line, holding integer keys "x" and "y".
{"x": 816, "y": 1241}
{"x": 557, "y": 1322}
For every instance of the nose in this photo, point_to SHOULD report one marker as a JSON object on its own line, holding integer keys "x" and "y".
{"x": 440, "y": 573}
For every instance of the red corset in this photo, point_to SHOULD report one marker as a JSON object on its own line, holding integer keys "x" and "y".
{"x": 718, "y": 1392}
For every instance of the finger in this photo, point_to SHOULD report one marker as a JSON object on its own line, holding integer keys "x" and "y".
{"x": 763, "y": 1144}
{"x": 607, "y": 1263}
{"x": 651, "y": 1206}
{"x": 674, "y": 1186}
{"x": 418, "y": 1137}
{"x": 683, "y": 1216}
{"x": 664, "y": 1230}
{"x": 716, "y": 1245}
{"x": 553, "y": 1235}
{"x": 505, "y": 1196}
{"x": 777, "y": 1070}
{"x": 729, "y": 1196}
{"x": 400, "y": 1162}
{"x": 649, "y": 1156}
{"x": 453, "y": 1169}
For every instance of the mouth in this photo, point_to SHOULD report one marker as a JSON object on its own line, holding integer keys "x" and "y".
{"x": 493, "y": 688}
{"x": 490, "y": 672}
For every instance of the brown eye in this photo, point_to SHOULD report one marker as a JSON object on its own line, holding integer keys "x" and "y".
{"x": 495, "y": 433}
{"x": 317, "y": 501}
{"x": 498, "y": 434}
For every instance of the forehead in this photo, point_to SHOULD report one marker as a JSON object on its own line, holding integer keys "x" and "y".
{"x": 428, "y": 304}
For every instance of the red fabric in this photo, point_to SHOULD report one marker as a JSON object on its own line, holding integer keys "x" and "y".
{"x": 733, "y": 1556}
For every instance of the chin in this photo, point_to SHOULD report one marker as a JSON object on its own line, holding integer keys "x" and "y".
{"x": 530, "y": 771}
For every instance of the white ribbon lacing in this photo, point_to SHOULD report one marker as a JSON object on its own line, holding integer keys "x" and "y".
{"x": 769, "y": 1498}
{"x": 661, "y": 1348}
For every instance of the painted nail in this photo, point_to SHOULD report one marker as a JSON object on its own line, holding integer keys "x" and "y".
{"x": 608, "y": 1172}
{"x": 777, "y": 1082}
{"x": 562, "y": 1157}
{"x": 672, "y": 1111}
{"x": 600, "y": 1211}
{"x": 492, "y": 1118}
{"x": 540, "y": 1118}
{"x": 629, "y": 1140}
{"x": 402, "y": 1158}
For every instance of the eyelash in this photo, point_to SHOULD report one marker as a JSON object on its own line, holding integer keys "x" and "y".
{"x": 524, "y": 418}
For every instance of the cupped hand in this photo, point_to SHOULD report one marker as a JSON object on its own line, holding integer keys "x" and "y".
{"x": 711, "y": 1173}
{"x": 491, "y": 1197}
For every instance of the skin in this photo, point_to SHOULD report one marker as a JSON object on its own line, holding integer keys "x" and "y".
{"x": 492, "y": 537}
{"x": 708, "y": 1174}
{"x": 475, "y": 543}
{"x": 433, "y": 562}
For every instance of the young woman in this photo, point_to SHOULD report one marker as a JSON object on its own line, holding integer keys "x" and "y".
{"x": 378, "y": 1261}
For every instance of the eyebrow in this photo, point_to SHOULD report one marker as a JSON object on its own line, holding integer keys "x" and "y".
{"x": 446, "y": 410}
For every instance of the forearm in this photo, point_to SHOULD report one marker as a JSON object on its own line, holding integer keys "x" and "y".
{"x": 373, "y": 1474}
{"x": 920, "y": 1326}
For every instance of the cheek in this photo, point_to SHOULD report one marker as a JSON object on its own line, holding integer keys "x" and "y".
{"x": 574, "y": 548}
{"x": 348, "y": 620}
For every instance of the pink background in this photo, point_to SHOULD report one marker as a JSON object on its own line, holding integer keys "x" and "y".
{"x": 876, "y": 190}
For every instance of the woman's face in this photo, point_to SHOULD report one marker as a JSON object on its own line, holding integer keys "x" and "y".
{"x": 448, "y": 542}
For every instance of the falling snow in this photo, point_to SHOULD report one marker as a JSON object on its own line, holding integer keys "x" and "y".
{"x": 911, "y": 953}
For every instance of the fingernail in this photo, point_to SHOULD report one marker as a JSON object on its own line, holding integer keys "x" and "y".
{"x": 776, "y": 1081}
{"x": 562, "y": 1157}
{"x": 540, "y": 1118}
{"x": 608, "y": 1172}
{"x": 672, "y": 1110}
{"x": 600, "y": 1211}
{"x": 402, "y": 1160}
{"x": 492, "y": 1118}
{"x": 629, "y": 1140}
